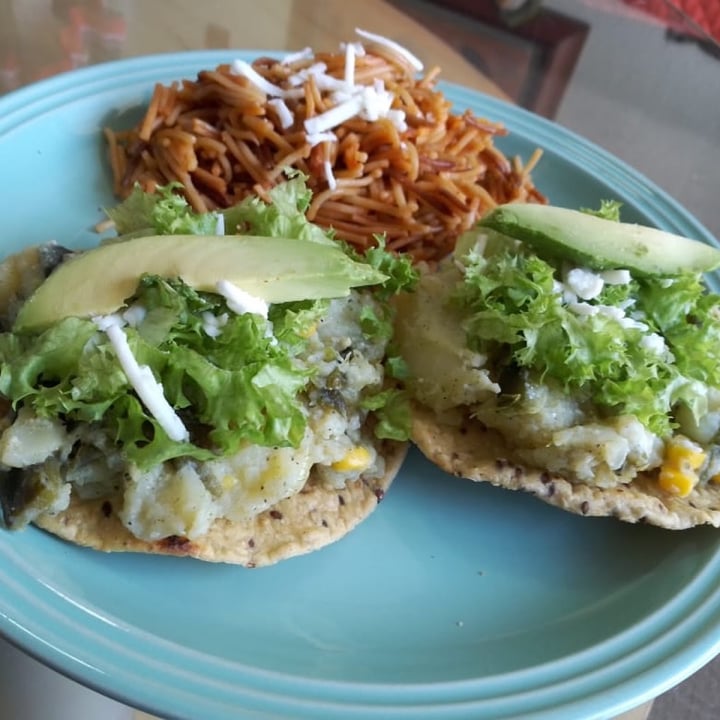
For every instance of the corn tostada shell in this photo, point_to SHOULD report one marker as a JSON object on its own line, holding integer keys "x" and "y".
{"x": 317, "y": 516}
{"x": 471, "y": 451}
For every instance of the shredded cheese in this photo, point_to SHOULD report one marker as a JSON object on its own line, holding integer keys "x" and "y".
{"x": 283, "y": 112}
{"x": 303, "y": 54}
{"x": 396, "y": 47}
{"x": 329, "y": 176}
{"x": 134, "y": 315}
{"x": 322, "y": 137}
{"x": 140, "y": 377}
{"x": 334, "y": 116}
{"x": 328, "y": 82}
{"x": 369, "y": 102}
{"x": 397, "y": 118}
{"x": 359, "y": 48}
{"x": 350, "y": 65}
{"x": 240, "y": 67}
{"x": 299, "y": 78}
{"x": 241, "y": 302}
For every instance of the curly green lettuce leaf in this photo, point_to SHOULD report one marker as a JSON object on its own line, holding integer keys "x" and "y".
{"x": 164, "y": 212}
{"x": 397, "y": 367}
{"x": 33, "y": 366}
{"x": 294, "y": 322}
{"x": 392, "y": 411}
{"x": 608, "y": 210}
{"x": 284, "y": 216}
{"x": 515, "y": 313}
{"x": 401, "y": 273}
{"x": 688, "y": 317}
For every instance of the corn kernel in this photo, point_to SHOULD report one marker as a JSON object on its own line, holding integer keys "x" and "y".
{"x": 308, "y": 331}
{"x": 684, "y": 455}
{"x": 675, "y": 481}
{"x": 357, "y": 459}
{"x": 683, "y": 459}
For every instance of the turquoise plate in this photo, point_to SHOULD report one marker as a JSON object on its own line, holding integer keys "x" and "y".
{"x": 453, "y": 600}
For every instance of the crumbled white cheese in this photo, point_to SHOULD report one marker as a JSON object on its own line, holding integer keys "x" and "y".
{"x": 582, "y": 308}
{"x": 140, "y": 377}
{"x": 568, "y": 296}
{"x": 654, "y": 343}
{"x": 241, "y": 302}
{"x": 630, "y": 324}
{"x": 213, "y": 324}
{"x": 392, "y": 45}
{"x": 584, "y": 283}
{"x": 369, "y": 102}
{"x": 616, "y": 277}
{"x": 611, "y": 311}
{"x": 318, "y": 72}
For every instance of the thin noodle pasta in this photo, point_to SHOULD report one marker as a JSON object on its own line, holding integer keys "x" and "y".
{"x": 419, "y": 182}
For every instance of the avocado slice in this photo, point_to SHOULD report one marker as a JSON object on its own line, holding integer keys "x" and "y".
{"x": 598, "y": 243}
{"x": 98, "y": 282}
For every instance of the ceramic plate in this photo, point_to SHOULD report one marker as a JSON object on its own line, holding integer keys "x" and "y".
{"x": 453, "y": 600}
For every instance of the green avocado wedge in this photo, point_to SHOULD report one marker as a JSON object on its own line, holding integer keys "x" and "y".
{"x": 99, "y": 281}
{"x": 598, "y": 243}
